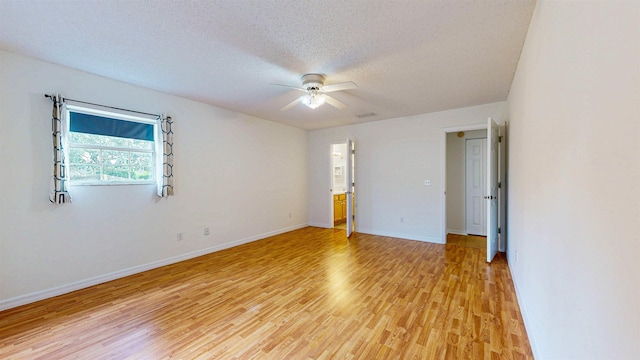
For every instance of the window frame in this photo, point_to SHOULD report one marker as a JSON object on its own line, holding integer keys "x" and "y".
{"x": 117, "y": 116}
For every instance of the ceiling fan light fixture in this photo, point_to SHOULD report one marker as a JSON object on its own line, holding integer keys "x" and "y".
{"x": 313, "y": 99}
{"x": 314, "y": 88}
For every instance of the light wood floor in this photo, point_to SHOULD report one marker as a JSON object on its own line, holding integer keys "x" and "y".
{"x": 474, "y": 241}
{"x": 306, "y": 294}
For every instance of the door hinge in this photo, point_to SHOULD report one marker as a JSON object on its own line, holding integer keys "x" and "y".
{"x": 500, "y": 139}
{"x": 499, "y": 230}
{"x": 499, "y": 185}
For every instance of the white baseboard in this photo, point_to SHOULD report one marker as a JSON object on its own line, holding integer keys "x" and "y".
{"x": 67, "y": 288}
{"x": 457, "y": 232}
{"x": 400, "y": 235}
{"x": 525, "y": 316}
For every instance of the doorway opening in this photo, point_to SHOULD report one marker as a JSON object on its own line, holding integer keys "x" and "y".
{"x": 343, "y": 186}
{"x": 487, "y": 194}
{"x": 466, "y": 183}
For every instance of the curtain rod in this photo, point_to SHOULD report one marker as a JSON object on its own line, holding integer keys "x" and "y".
{"x": 105, "y": 106}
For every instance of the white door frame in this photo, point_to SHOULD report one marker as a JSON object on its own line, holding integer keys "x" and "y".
{"x": 350, "y": 194}
{"x": 443, "y": 167}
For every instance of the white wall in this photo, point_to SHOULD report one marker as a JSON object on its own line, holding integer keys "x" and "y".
{"x": 456, "y": 172}
{"x": 393, "y": 158}
{"x": 574, "y": 180}
{"x": 238, "y": 175}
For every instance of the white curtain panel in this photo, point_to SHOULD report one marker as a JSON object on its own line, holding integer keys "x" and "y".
{"x": 59, "y": 193}
{"x": 164, "y": 156}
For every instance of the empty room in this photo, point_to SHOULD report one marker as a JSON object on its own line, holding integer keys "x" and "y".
{"x": 359, "y": 179}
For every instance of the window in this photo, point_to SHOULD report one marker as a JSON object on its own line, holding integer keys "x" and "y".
{"x": 109, "y": 148}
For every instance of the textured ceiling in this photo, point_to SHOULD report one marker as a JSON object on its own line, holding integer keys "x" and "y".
{"x": 407, "y": 57}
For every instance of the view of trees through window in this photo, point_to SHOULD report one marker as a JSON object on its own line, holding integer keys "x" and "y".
{"x": 100, "y": 158}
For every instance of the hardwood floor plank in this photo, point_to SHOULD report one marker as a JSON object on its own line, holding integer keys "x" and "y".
{"x": 307, "y": 294}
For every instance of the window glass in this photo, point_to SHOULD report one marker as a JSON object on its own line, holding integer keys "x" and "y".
{"x": 110, "y": 150}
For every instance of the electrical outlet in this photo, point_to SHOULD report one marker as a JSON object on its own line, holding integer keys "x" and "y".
{"x": 401, "y": 220}
{"x": 206, "y": 231}
{"x": 180, "y": 236}
{"x": 289, "y": 215}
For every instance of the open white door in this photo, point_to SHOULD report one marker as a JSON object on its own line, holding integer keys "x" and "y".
{"x": 492, "y": 189}
{"x": 350, "y": 185}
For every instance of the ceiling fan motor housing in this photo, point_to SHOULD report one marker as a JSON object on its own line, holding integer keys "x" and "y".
{"x": 312, "y": 81}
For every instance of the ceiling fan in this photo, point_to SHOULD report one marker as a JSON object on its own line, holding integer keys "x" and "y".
{"x": 315, "y": 89}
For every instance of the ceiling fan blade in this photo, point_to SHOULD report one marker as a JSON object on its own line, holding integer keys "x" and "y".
{"x": 335, "y": 103}
{"x": 291, "y": 87}
{"x": 339, "y": 86}
{"x": 292, "y": 104}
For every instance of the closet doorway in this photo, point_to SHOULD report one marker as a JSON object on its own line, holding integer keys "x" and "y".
{"x": 466, "y": 211}
{"x": 455, "y": 193}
